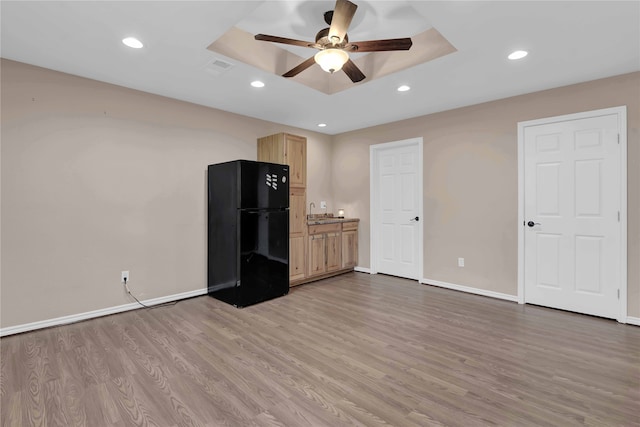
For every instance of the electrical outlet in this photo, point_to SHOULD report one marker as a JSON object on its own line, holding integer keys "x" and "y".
{"x": 323, "y": 205}
{"x": 124, "y": 276}
{"x": 460, "y": 262}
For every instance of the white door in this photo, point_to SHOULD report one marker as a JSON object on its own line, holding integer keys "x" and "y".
{"x": 572, "y": 208}
{"x": 396, "y": 208}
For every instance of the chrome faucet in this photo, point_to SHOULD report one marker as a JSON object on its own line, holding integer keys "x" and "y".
{"x": 311, "y": 205}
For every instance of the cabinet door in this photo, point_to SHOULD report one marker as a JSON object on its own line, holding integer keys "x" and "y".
{"x": 317, "y": 260}
{"x": 349, "y": 248}
{"x": 297, "y": 216}
{"x": 296, "y": 258}
{"x": 334, "y": 249}
{"x": 271, "y": 149}
{"x": 296, "y": 158}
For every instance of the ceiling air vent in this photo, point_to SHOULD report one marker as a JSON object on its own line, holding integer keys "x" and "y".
{"x": 218, "y": 66}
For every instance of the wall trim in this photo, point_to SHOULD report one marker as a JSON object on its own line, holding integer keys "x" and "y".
{"x": 362, "y": 270}
{"x": 633, "y": 321}
{"x": 97, "y": 313}
{"x": 470, "y": 290}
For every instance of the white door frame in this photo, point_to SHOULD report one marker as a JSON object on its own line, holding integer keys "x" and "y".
{"x": 374, "y": 151}
{"x": 622, "y": 129}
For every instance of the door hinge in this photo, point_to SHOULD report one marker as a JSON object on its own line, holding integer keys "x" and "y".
{"x": 618, "y": 138}
{"x": 618, "y": 293}
{"x": 618, "y": 216}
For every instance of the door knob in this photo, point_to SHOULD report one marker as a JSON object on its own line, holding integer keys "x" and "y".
{"x": 531, "y": 223}
{"x": 415, "y": 219}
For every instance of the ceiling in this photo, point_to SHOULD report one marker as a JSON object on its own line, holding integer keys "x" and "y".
{"x": 568, "y": 42}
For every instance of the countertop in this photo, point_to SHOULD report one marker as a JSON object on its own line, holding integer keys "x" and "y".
{"x": 329, "y": 220}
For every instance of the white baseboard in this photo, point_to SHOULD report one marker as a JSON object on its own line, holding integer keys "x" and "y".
{"x": 97, "y": 313}
{"x": 362, "y": 270}
{"x": 633, "y": 320}
{"x": 470, "y": 290}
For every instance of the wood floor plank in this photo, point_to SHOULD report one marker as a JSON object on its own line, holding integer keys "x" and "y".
{"x": 10, "y": 376}
{"x": 54, "y": 404}
{"x": 110, "y": 410}
{"x": 74, "y": 392}
{"x": 352, "y": 350}
{"x": 11, "y": 413}
{"x": 132, "y": 410}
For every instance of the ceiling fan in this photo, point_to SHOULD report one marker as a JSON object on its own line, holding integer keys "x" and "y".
{"x": 334, "y": 46}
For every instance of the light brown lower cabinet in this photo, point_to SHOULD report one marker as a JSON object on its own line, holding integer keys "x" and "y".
{"x": 297, "y": 258}
{"x": 324, "y": 248}
{"x": 330, "y": 250}
{"x": 333, "y": 250}
{"x": 349, "y": 248}
{"x": 317, "y": 255}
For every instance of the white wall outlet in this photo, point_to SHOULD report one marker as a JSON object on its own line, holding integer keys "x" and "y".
{"x": 323, "y": 205}
{"x": 460, "y": 262}
{"x": 124, "y": 277}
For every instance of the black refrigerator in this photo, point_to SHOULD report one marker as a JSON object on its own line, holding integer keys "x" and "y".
{"x": 248, "y": 231}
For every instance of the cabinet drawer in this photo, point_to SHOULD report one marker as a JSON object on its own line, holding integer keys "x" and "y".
{"x": 351, "y": 225}
{"x": 324, "y": 228}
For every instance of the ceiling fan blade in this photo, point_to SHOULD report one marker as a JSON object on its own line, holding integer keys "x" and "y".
{"x": 380, "y": 45}
{"x": 353, "y": 72}
{"x": 283, "y": 40}
{"x": 300, "y": 68}
{"x": 342, "y": 16}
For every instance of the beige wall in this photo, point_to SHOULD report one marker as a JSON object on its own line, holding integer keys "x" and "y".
{"x": 98, "y": 178}
{"x": 470, "y": 180}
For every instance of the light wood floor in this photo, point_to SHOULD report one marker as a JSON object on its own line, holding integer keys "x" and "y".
{"x": 351, "y": 350}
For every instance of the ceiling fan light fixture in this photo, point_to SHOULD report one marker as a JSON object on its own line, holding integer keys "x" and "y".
{"x": 331, "y": 60}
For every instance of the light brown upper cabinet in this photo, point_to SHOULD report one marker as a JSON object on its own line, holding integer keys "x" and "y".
{"x": 289, "y": 150}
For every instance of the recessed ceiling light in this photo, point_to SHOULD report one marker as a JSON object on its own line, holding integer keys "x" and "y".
{"x": 257, "y": 83}
{"x": 403, "y": 88}
{"x": 132, "y": 42}
{"x": 518, "y": 54}
{"x": 322, "y": 125}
